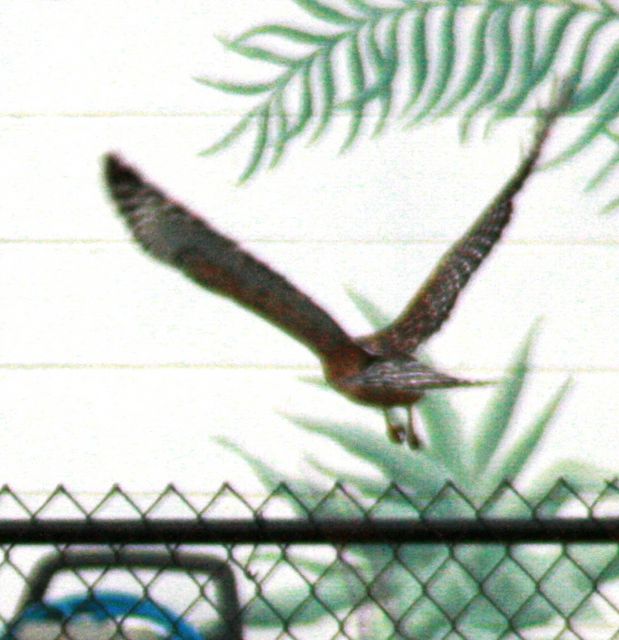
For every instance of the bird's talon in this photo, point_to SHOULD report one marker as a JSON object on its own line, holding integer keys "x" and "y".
{"x": 396, "y": 433}
{"x": 413, "y": 440}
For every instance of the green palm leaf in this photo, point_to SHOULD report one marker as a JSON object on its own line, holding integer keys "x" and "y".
{"x": 372, "y": 312}
{"x": 479, "y": 476}
{"x": 611, "y": 206}
{"x": 268, "y": 476}
{"x": 285, "y": 33}
{"x": 585, "y": 98}
{"x": 447, "y": 40}
{"x": 324, "y": 12}
{"x": 604, "y": 171}
{"x": 543, "y": 59}
{"x": 498, "y": 415}
{"x": 357, "y": 80}
{"x": 607, "y": 113}
{"x": 306, "y": 104}
{"x": 443, "y": 426}
{"x": 363, "y": 484}
{"x": 476, "y": 62}
{"x": 271, "y": 478}
{"x": 512, "y": 463}
{"x": 412, "y": 468}
{"x": 386, "y": 65}
{"x": 281, "y": 122}
{"x": 262, "y": 130}
{"x": 419, "y": 56}
{"x": 236, "y": 132}
{"x": 255, "y": 53}
{"x": 327, "y": 85}
{"x": 248, "y": 89}
{"x": 526, "y": 57}
{"x": 501, "y": 56}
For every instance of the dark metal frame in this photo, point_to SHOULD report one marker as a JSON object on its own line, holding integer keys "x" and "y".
{"x": 74, "y": 559}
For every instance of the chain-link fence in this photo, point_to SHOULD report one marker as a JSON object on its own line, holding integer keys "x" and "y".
{"x": 298, "y": 564}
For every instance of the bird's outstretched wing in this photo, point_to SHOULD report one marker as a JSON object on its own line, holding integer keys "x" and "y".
{"x": 433, "y": 303}
{"x": 171, "y": 233}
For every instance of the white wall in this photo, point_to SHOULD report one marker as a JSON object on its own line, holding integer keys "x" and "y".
{"x": 115, "y": 369}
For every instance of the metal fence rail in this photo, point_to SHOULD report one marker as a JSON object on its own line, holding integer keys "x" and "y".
{"x": 302, "y": 565}
{"x": 298, "y": 531}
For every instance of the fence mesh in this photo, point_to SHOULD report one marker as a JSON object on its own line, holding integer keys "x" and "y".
{"x": 299, "y": 564}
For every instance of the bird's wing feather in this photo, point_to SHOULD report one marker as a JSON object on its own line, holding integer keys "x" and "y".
{"x": 171, "y": 233}
{"x": 433, "y": 303}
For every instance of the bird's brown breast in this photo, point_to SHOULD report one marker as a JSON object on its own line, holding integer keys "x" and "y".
{"x": 344, "y": 362}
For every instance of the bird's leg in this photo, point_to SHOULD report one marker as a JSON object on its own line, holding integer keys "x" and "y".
{"x": 412, "y": 439}
{"x": 395, "y": 431}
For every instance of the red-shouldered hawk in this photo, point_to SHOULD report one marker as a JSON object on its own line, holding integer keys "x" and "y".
{"x": 380, "y": 369}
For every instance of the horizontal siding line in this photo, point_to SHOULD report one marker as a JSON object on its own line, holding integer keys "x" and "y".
{"x": 225, "y": 113}
{"x": 123, "y": 114}
{"x": 69, "y": 241}
{"x": 161, "y": 366}
{"x": 78, "y": 366}
{"x": 524, "y": 242}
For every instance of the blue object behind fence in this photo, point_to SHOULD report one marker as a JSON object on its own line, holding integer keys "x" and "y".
{"x": 107, "y": 605}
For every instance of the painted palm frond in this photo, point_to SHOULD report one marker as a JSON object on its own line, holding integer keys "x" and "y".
{"x": 456, "y": 475}
{"x": 417, "y": 60}
{"x": 423, "y": 479}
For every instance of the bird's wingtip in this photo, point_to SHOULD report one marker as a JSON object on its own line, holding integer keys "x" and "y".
{"x": 116, "y": 169}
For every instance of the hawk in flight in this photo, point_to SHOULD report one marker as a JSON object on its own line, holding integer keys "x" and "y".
{"x": 381, "y": 369}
